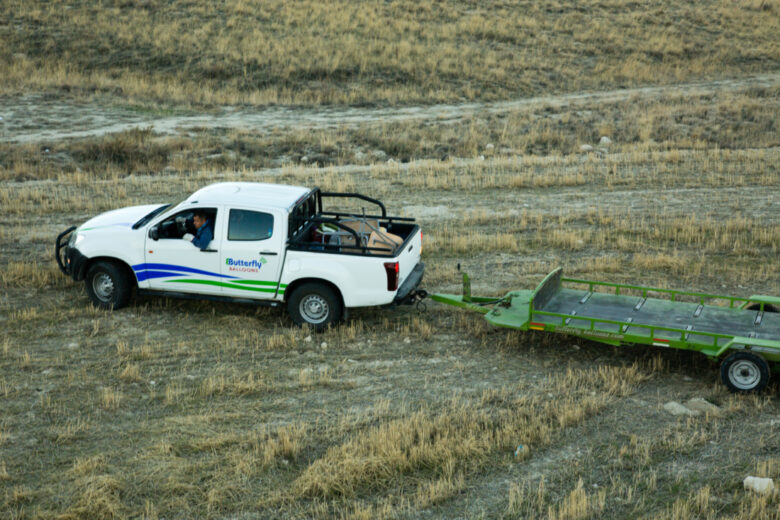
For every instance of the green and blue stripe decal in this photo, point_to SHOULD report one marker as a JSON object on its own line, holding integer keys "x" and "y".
{"x": 185, "y": 275}
{"x": 149, "y": 271}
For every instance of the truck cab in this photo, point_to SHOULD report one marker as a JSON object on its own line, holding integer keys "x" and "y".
{"x": 272, "y": 244}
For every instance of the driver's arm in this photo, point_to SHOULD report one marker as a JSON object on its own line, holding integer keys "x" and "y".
{"x": 204, "y": 237}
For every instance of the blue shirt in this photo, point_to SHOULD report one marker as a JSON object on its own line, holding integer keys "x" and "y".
{"x": 203, "y": 236}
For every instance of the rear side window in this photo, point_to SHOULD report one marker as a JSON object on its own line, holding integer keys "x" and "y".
{"x": 301, "y": 214}
{"x": 250, "y": 225}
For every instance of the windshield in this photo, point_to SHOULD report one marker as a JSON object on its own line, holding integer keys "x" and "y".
{"x": 150, "y": 216}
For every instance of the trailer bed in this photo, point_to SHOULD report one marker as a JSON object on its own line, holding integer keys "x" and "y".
{"x": 619, "y": 314}
{"x": 659, "y": 313}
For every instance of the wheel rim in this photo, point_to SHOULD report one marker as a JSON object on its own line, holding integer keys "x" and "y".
{"x": 744, "y": 374}
{"x": 103, "y": 286}
{"x": 314, "y": 308}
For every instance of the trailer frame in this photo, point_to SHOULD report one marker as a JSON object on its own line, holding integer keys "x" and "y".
{"x": 529, "y": 310}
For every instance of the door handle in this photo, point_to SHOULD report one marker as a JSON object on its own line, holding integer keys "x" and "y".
{"x": 270, "y": 253}
{"x": 208, "y": 251}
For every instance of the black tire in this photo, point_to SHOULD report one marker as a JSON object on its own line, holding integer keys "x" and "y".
{"x": 108, "y": 285}
{"x": 744, "y": 372}
{"x": 315, "y": 305}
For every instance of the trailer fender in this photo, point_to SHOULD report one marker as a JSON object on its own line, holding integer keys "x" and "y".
{"x": 741, "y": 343}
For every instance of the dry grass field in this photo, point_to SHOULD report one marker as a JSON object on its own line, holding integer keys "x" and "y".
{"x": 202, "y": 52}
{"x": 172, "y": 409}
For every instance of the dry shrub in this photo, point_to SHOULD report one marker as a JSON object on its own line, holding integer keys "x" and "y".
{"x": 450, "y": 240}
{"x": 131, "y": 373}
{"x": 418, "y": 329}
{"x": 30, "y": 274}
{"x": 220, "y": 497}
{"x": 173, "y": 391}
{"x": 441, "y": 489}
{"x": 578, "y": 505}
{"x": 97, "y": 498}
{"x": 88, "y": 465}
{"x": 660, "y": 261}
{"x": 110, "y": 398}
{"x": 701, "y": 504}
{"x": 285, "y": 340}
{"x": 19, "y": 495}
{"x": 130, "y": 151}
{"x": 72, "y": 430}
{"x": 236, "y": 385}
{"x": 285, "y": 442}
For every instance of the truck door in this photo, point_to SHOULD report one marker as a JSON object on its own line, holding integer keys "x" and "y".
{"x": 174, "y": 264}
{"x": 253, "y": 253}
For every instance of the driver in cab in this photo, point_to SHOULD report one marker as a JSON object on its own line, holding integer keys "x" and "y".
{"x": 203, "y": 234}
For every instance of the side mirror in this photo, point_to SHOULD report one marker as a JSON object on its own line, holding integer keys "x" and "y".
{"x": 154, "y": 233}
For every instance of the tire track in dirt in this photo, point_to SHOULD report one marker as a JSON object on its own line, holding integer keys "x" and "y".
{"x": 36, "y": 118}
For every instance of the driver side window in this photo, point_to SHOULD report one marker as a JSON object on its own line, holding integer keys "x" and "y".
{"x": 177, "y": 225}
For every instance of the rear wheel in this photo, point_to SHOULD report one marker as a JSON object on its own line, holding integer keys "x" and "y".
{"x": 744, "y": 372}
{"x": 315, "y": 305}
{"x": 108, "y": 285}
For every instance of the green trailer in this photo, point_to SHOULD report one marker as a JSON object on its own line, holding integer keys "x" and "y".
{"x": 742, "y": 333}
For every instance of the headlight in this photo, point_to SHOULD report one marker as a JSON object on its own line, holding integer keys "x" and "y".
{"x": 75, "y": 239}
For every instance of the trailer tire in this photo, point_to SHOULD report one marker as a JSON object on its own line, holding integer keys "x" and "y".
{"x": 108, "y": 285}
{"x": 744, "y": 372}
{"x": 315, "y": 305}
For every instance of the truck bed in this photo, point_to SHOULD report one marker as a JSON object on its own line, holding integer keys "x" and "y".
{"x": 310, "y": 240}
{"x": 314, "y": 228}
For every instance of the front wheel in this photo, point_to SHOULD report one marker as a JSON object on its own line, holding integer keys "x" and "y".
{"x": 315, "y": 305}
{"x": 744, "y": 372}
{"x": 108, "y": 285}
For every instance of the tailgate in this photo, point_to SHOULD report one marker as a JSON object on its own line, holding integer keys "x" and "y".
{"x": 409, "y": 255}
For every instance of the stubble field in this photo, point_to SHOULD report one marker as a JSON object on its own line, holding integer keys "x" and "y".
{"x": 179, "y": 409}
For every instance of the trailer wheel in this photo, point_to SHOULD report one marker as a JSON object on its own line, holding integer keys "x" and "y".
{"x": 108, "y": 285}
{"x": 315, "y": 305}
{"x": 744, "y": 372}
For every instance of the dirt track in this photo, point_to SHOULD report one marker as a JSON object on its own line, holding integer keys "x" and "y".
{"x": 37, "y": 118}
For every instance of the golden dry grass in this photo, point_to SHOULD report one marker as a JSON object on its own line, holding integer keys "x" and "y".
{"x": 248, "y": 51}
{"x": 461, "y": 436}
{"x": 178, "y": 409}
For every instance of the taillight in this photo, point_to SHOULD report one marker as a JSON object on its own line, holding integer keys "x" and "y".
{"x": 391, "y": 268}
{"x": 421, "y": 242}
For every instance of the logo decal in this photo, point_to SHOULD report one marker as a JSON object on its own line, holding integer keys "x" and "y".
{"x": 244, "y": 266}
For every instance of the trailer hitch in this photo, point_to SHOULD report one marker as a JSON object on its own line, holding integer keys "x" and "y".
{"x": 418, "y": 298}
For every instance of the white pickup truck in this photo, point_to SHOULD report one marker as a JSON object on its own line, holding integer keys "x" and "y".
{"x": 272, "y": 244}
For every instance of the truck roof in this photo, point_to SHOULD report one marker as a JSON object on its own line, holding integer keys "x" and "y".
{"x": 249, "y": 193}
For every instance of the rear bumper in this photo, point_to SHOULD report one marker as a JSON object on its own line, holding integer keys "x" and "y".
{"x": 409, "y": 291}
